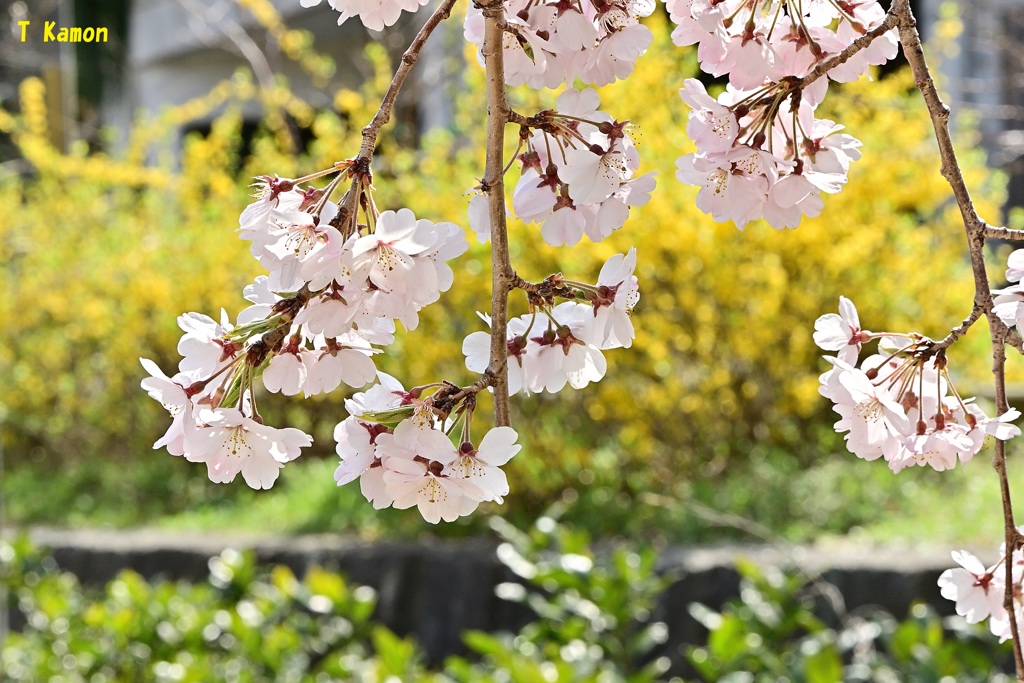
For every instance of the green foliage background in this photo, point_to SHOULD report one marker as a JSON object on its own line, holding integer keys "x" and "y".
{"x": 101, "y": 254}
{"x": 598, "y": 619}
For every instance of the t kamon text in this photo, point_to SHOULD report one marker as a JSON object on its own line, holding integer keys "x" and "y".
{"x": 66, "y": 34}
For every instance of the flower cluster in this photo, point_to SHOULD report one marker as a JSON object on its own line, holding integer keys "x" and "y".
{"x": 334, "y": 289}
{"x": 578, "y": 172}
{"x": 902, "y": 406}
{"x": 762, "y": 156}
{"x": 341, "y": 274}
{"x": 761, "y": 151}
{"x": 549, "y": 44}
{"x": 375, "y": 14}
{"x": 754, "y": 41}
{"x": 393, "y": 443}
{"x": 563, "y": 344}
{"x": 979, "y": 591}
{"x": 223, "y": 438}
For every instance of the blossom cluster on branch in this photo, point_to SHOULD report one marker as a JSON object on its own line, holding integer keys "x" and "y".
{"x": 761, "y": 151}
{"x": 979, "y": 591}
{"x": 900, "y": 404}
{"x": 578, "y": 172}
{"x": 341, "y": 272}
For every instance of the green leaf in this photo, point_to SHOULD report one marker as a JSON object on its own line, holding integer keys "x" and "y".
{"x": 728, "y": 641}
{"x": 824, "y": 666}
{"x": 397, "y": 656}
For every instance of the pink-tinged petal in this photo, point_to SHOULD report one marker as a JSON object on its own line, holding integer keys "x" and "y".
{"x": 402, "y": 469}
{"x": 373, "y": 488}
{"x": 355, "y": 449}
{"x": 1015, "y": 266}
{"x": 1001, "y": 427}
{"x": 849, "y": 312}
{"x": 498, "y": 446}
{"x": 580, "y": 103}
{"x": 261, "y": 472}
{"x": 287, "y": 444}
{"x": 969, "y": 562}
{"x": 223, "y": 470}
{"x": 358, "y": 369}
{"x": 433, "y": 444}
{"x": 830, "y": 334}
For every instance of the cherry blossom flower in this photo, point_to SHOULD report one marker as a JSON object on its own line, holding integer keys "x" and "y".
{"x": 595, "y": 173}
{"x": 332, "y": 313}
{"x": 723, "y": 194}
{"x": 386, "y": 395}
{"x": 841, "y": 332}
{"x": 272, "y": 194}
{"x": 374, "y": 14}
{"x": 417, "y": 473}
{"x": 978, "y": 592}
{"x": 171, "y": 393}
{"x": 286, "y": 372}
{"x": 229, "y": 443}
{"x": 521, "y": 353}
{"x": 385, "y": 256}
{"x": 566, "y": 354}
{"x": 205, "y": 346}
{"x": 617, "y": 294}
{"x": 873, "y": 418}
{"x": 293, "y": 242}
{"x": 712, "y": 126}
{"x": 482, "y": 466}
{"x": 359, "y": 460}
{"x": 333, "y": 361}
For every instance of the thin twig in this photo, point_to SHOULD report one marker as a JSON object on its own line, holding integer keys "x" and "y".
{"x": 888, "y": 23}
{"x": 502, "y": 275}
{"x": 996, "y": 233}
{"x": 446, "y": 398}
{"x": 961, "y": 329}
{"x": 410, "y": 58}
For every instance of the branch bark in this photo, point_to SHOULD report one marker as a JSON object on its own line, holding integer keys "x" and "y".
{"x": 502, "y": 275}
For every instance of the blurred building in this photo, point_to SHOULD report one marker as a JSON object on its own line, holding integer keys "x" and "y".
{"x": 982, "y": 71}
{"x": 166, "y": 52}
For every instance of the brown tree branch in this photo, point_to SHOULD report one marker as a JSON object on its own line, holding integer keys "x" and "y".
{"x": 409, "y": 58}
{"x": 976, "y": 230}
{"x": 888, "y": 23}
{"x": 447, "y": 398}
{"x": 995, "y": 233}
{"x": 502, "y": 275}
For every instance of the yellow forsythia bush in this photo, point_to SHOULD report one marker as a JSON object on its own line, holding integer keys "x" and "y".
{"x": 100, "y": 255}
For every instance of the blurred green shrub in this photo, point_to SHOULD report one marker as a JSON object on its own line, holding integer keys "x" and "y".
{"x": 101, "y": 254}
{"x": 244, "y": 625}
{"x": 594, "y": 620}
{"x": 593, "y": 624}
{"x": 771, "y": 633}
